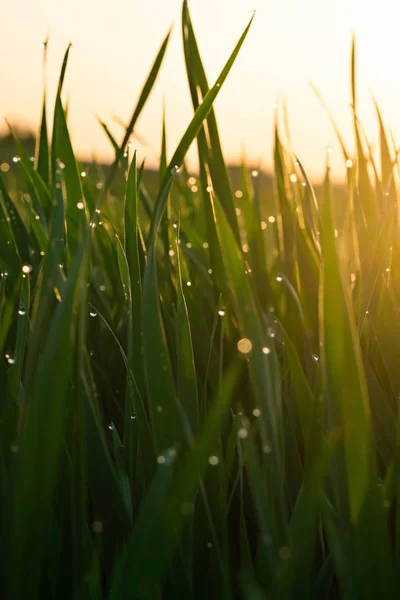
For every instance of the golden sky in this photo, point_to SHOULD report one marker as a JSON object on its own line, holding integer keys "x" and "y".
{"x": 290, "y": 43}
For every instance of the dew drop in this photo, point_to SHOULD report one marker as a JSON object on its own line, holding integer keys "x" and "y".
{"x": 244, "y": 346}
{"x": 213, "y": 460}
{"x": 97, "y": 526}
{"x": 26, "y": 269}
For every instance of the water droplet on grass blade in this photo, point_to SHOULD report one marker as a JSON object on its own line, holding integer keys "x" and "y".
{"x": 97, "y": 526}
{"x": 244, "y": 346}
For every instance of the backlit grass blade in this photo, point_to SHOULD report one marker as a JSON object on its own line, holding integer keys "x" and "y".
{"x": 42, "y": 154}
{"x": 199, "y": 88}
{"x": 37, "y": 472}
{"x": 56, "y": 108}
{"x": 347, "y": 405}
{"x": 364, "y": 185}
{"x": 160, "y": 383}
{"x": 145, "y": 93}
{"x": 194, "y": 128}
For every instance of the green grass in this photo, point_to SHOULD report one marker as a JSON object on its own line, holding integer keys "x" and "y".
{"x": 199, "y": 388}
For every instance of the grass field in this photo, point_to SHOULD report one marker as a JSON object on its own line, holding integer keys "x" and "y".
{"x": 199, "y": 385}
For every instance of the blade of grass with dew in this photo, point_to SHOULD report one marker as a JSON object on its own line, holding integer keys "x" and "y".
{"x": 15, "y": 378}
{"x": 75, "y": 202}
{"x": 153, "y": 329}
{"x": 19, "y": 235}
{"x": 193, "y": 130}
{"x": 199, "y": 85}
{"x": 345, "y": 389}
{"x": 161, "y": 518}
{"x": 186, "y": 371}
{"x": 36, "y": 475}
{"x": 42, "y": 199}
{"x": 42, "y": 154}
{"x": 348, "y": 412}
{"x": 59, "y": 92}
{"x": 159, "y": 379}
{"x": 263, "y": 368}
